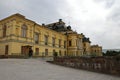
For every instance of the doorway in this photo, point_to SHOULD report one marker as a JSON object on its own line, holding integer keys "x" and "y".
{"x": 25, "y": 50}
{"x": 6, "y": 49}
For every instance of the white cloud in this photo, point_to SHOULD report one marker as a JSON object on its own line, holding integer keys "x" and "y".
{"x": 97, "y": 19}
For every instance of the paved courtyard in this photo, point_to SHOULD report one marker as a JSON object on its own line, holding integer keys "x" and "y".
{"x": 38, "y": 69}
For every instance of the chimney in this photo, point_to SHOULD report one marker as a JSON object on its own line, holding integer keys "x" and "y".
{"x": 43, "y": 24}
{"x": 60, "y": 20}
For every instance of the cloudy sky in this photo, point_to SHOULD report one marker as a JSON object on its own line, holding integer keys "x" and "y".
{"x": 97, "y": 19}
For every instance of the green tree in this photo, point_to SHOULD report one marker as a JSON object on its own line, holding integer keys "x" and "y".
{"x": 112, "y": 53}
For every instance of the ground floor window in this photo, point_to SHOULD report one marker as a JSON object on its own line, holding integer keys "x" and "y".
{"x": 76, "y": 53}
{"x": 53, "y": 51}
{"x": 60, "y": 53}
{"x": 37, "y": 51}
{"x": 46, "y": 52}
{"x": 6, "y": 49}
{"x": 65, "y": 53}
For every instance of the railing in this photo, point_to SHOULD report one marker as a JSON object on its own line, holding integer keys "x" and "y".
{"x": 109, "y": 65}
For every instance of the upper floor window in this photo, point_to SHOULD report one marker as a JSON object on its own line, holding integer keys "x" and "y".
{"x": 36, "y": 38}
{"x": 59, "y": 42}
{"x": 53, "y": 41}
{"x": 78, "y": 43}
{"x": 24, "y": 31}
{"x": 17, "y": 32}
{"x": 84, "y": 44}
{"x": 4, "y": 30}
{"x": 46, "y": 39}
{"x": 64, "y": 44}
{"x": 70, "y": 43}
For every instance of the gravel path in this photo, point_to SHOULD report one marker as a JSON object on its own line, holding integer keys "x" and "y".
{"x": 38, "y": 69}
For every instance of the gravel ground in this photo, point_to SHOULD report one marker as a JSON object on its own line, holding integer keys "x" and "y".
{"x": 38, "y": 69}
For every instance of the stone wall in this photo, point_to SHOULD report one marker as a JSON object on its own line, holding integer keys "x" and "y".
{"x": 110, "y": 65}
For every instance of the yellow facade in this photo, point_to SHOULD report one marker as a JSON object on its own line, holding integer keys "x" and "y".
{"x": 74, "y": 46}
{"x": 96, "y": 50}
{"x": 18, "y": 34}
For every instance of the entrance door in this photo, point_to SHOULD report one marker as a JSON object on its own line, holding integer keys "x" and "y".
{"x": 25, "y": 50}
{"x": 6, "y": 50}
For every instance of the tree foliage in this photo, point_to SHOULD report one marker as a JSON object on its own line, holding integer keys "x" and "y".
{"x": 111, "y": 53}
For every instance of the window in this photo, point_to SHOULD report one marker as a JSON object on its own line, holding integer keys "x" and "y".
{"x": 95, "y": 50}
{"x": 37, "y": 51}
{"x": 46, "y": 52}
{"x": 6, "y": 49}
{"x": 53, "y": 52}
{"x": 30, "y": 34}
{"x": 65, "y": 53}
{"x": 59, "y": 42}
{"x": 70, "y": 43}
{"x": 60, "y": 53}
{"x": 84, "y": 50}
{"x": 4, "y": 30}
{"x": 77, "y": 53}
{"x": 53, "y": 41}
{"x": 36, "y": 38}
{"x": 84, "y": 44}
{"x": 17, "y": 32}
{"x": 64, "y": 44}
{"x": 78, "y": 43}
{"x": 24, "y": 31}
{"x": 46, "y": 39}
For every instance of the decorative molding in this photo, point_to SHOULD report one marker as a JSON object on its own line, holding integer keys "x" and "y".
{"x": 31, "y": 43}
{"x": 16, "y": 36}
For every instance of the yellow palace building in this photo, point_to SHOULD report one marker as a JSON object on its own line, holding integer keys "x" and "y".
{"x": 18, "y": 34}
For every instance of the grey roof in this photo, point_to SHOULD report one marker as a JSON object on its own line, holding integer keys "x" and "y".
{"x": 59, "y": 26}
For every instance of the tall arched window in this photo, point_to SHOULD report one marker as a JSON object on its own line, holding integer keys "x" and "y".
{"x": 4, "y": 30}
{"x": 24, "y": 31}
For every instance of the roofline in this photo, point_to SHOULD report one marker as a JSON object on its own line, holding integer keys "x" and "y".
{"x": 22, "y": 16}
{"x": 17, "y": 14}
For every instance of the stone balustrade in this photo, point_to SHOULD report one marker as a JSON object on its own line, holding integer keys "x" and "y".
{"x": 109, "y": 65}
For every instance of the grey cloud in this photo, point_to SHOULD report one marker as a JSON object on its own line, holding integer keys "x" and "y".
{"x": 103, "y": 32}
{"x": 38, "y": 10}
{"x": 107, "y": 3}
{"x": 115, "y": 15}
